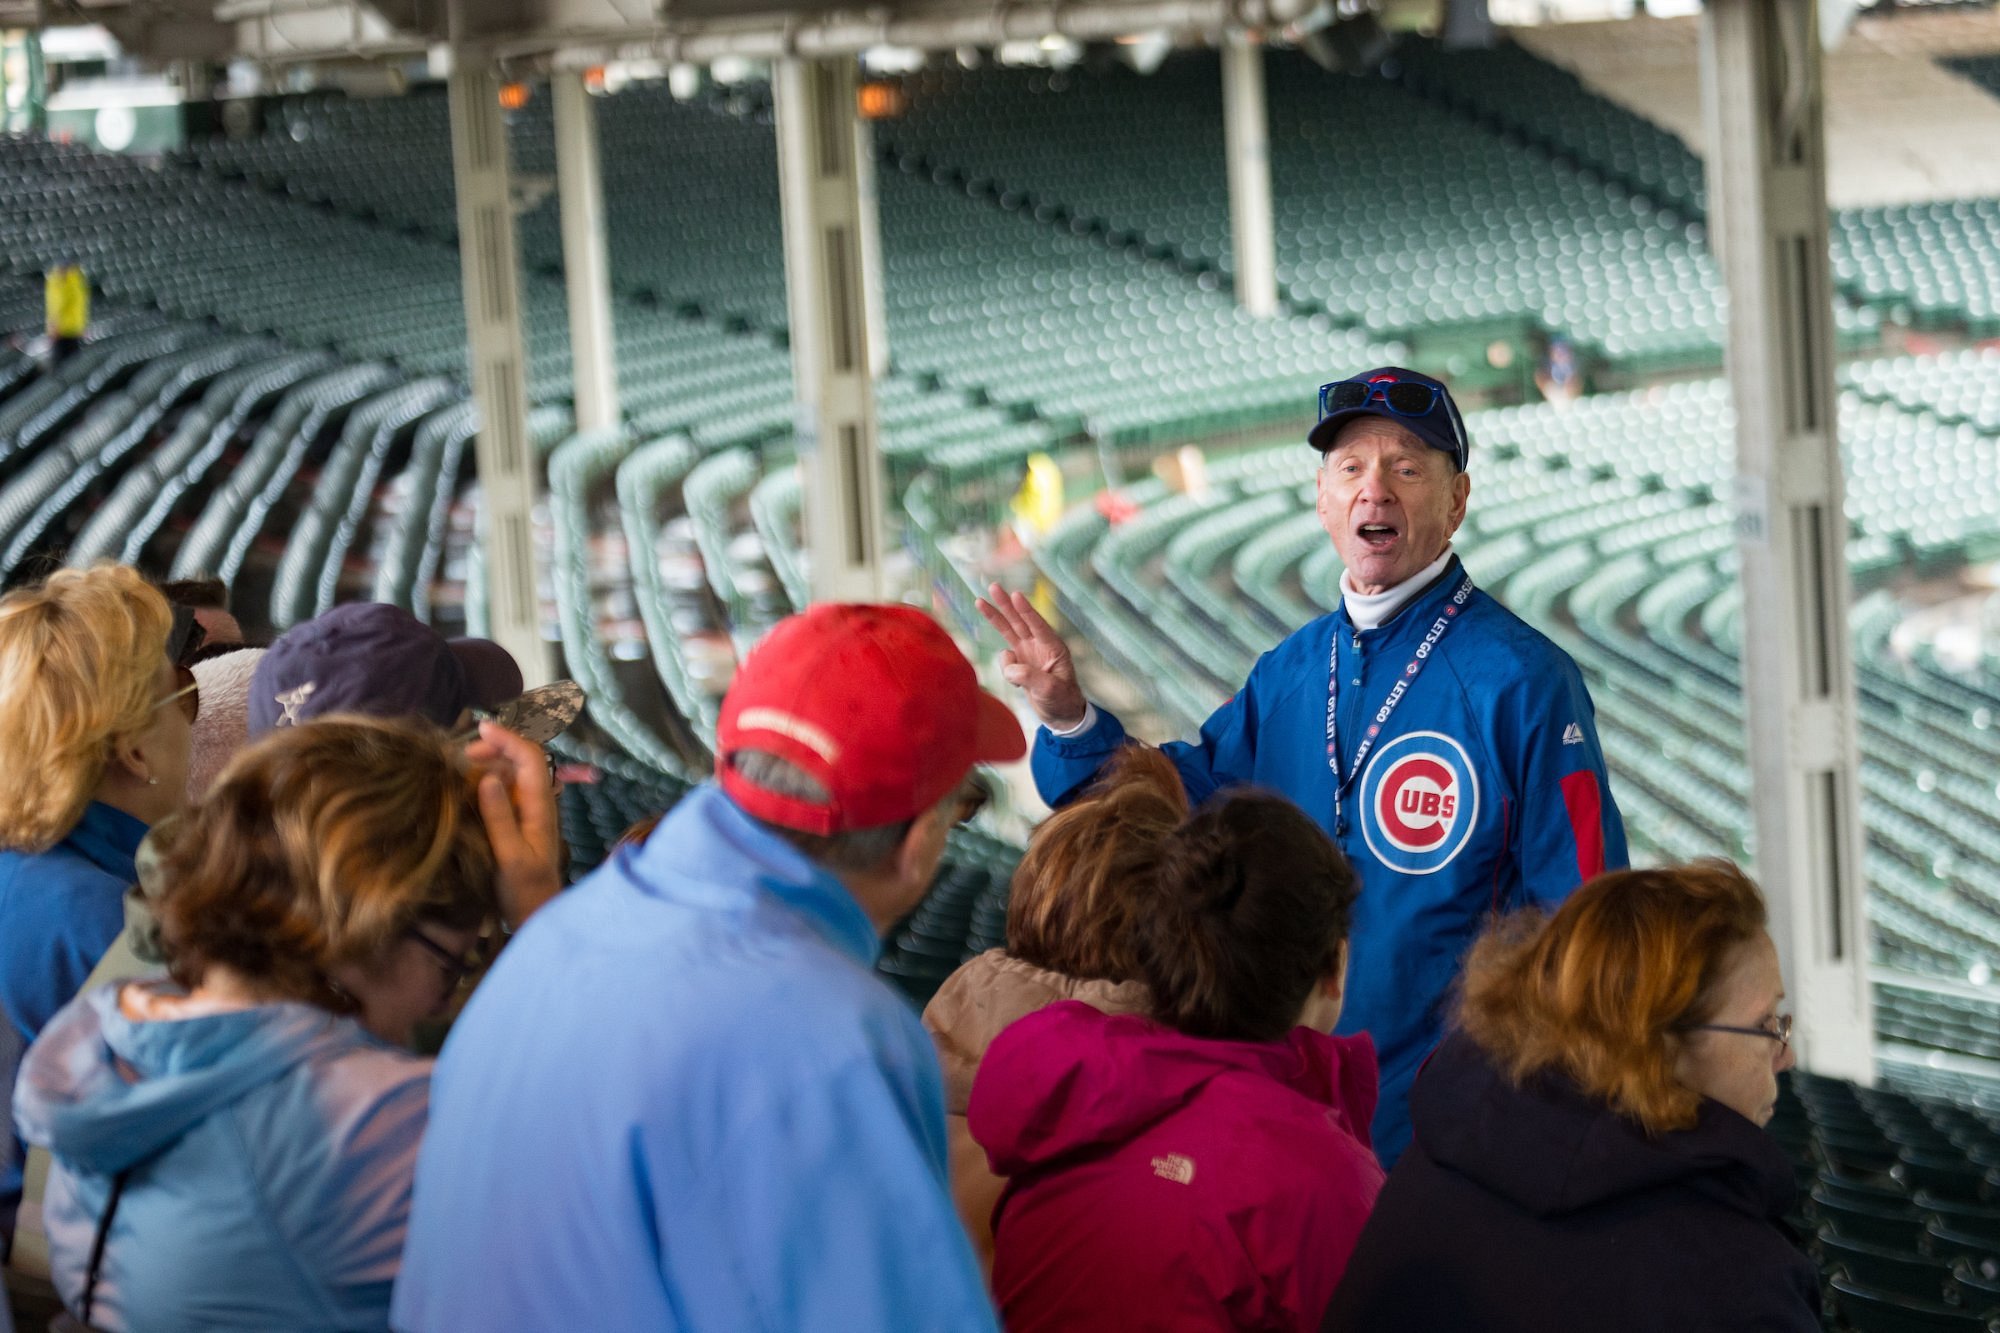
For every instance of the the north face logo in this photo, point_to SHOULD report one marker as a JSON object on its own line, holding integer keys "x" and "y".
{"x": 1174, "y": 1167}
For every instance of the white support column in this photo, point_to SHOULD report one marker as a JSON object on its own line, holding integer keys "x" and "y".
{"x": 1247, "y": 144}
{"x": 492, "y": 274}
{"x": 1761, "y": 65}
{"x": 593, "y": 347}
{"x": 820, "y": 144}
{"x": 873, "y": 285}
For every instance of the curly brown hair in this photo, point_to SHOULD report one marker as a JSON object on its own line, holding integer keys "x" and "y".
{"x": 320, "y": 845}
{"x": 1601, "y": 990}
{"x": 1089, "y": 872}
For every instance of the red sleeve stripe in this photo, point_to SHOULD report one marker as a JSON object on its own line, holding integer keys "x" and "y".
{"x": 1586, "y": 820}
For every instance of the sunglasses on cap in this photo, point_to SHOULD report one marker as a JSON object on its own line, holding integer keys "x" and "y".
{"x": 1403, "y": 398}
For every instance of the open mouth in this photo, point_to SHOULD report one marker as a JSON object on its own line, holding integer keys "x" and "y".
{"x": 1377, "y": 535}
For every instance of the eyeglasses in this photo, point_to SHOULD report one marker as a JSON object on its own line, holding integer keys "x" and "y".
{"x": 1404, "y": 398}
{"x": 456, "y": 968}
{"x": 185, "y": 637}
{"x": 188, "y": 695}
{"x": 1780, "y": 1033}
{"x": 973, "y": 797}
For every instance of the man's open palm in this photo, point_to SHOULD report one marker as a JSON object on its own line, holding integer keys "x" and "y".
{"x": 1036, "y": 659}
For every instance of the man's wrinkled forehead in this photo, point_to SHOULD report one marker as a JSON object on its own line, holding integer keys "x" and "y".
{"x": 1384, "y": 428}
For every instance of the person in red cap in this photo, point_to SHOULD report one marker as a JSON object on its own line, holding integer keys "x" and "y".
{"x": 682, "y": 1098}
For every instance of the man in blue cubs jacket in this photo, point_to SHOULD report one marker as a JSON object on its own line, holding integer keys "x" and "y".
{"x": 1449, "y": 749}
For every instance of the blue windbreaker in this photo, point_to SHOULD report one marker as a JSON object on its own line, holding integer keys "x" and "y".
{"x": 683, "y": 1100}
{"x": 1485, "y": 789}
{"x": 270, "y": 1151}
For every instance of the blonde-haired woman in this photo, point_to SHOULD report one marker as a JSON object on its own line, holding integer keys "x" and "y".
{"x": 94, "y": 726}
{"x": 234, "y": 1149}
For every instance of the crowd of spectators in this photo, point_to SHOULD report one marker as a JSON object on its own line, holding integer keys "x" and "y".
{"x": 241, "y": 887}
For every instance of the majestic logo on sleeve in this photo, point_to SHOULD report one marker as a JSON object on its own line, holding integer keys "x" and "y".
{"x": 1419, "y": 802}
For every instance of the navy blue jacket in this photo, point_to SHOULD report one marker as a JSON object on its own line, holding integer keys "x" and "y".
{"x": 1485, "y": 790}
{"x": 1521, "y": 1210}
{"x": 60, "y": 910}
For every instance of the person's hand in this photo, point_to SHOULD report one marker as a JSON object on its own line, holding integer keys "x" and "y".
{"x": 517, "y": 801}
{"x": 1036, "y": 659}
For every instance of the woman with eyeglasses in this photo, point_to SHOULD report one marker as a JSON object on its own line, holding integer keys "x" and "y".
{"x": 233, "y": 1148}
{"x": 1589, "y": 1148}
{"x": 94, "y": 724}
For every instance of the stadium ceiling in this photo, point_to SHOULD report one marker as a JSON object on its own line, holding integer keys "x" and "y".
{"x": 572, "y": 32}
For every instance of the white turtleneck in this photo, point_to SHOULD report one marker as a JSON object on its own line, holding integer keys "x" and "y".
{"x": 1368, "y": 610}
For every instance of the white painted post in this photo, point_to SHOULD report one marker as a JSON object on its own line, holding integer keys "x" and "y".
{"x": 1247, "y": 145}
{"x": 1761, "y": 64}
{"x": 507, "y": 472}
{"x": 820, "y": 145}
{"x": 593, "y": 347}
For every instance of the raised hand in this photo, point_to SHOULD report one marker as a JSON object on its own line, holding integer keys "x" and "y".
{"x": 517, "y": 801}
{"x": 1036, "y": 659}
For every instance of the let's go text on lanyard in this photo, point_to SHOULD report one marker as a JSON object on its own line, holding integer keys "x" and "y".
{"x": 1445, "y": 621}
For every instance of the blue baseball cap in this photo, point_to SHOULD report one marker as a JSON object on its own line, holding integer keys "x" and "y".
{"x": 1417, "y": 403}
{"x": 377, "y": 659}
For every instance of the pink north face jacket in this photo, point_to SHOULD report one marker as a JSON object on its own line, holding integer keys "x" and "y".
{"x": 1161, "y": 1181}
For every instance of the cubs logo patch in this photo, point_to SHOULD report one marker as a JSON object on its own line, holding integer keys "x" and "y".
{"x": 1419, "y": 802}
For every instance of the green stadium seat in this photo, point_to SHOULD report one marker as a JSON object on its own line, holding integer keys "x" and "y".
{"x": 1866, "y": 1309}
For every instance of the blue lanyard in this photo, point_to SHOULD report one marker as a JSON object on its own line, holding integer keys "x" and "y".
{"x": 1446, "y": 619}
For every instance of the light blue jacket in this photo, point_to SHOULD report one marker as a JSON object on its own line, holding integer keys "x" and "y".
{"x": 683, "y": 1100}
{"x": 270, "y": 1152}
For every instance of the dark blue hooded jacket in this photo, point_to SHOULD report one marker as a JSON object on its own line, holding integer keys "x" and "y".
{"x": 1524, "y": 1210}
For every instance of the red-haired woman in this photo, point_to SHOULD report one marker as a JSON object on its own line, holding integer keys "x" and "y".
{"x": 1589, "y": 1149}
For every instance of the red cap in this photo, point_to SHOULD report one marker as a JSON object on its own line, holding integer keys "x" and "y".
{"x": 875, "y": 702}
